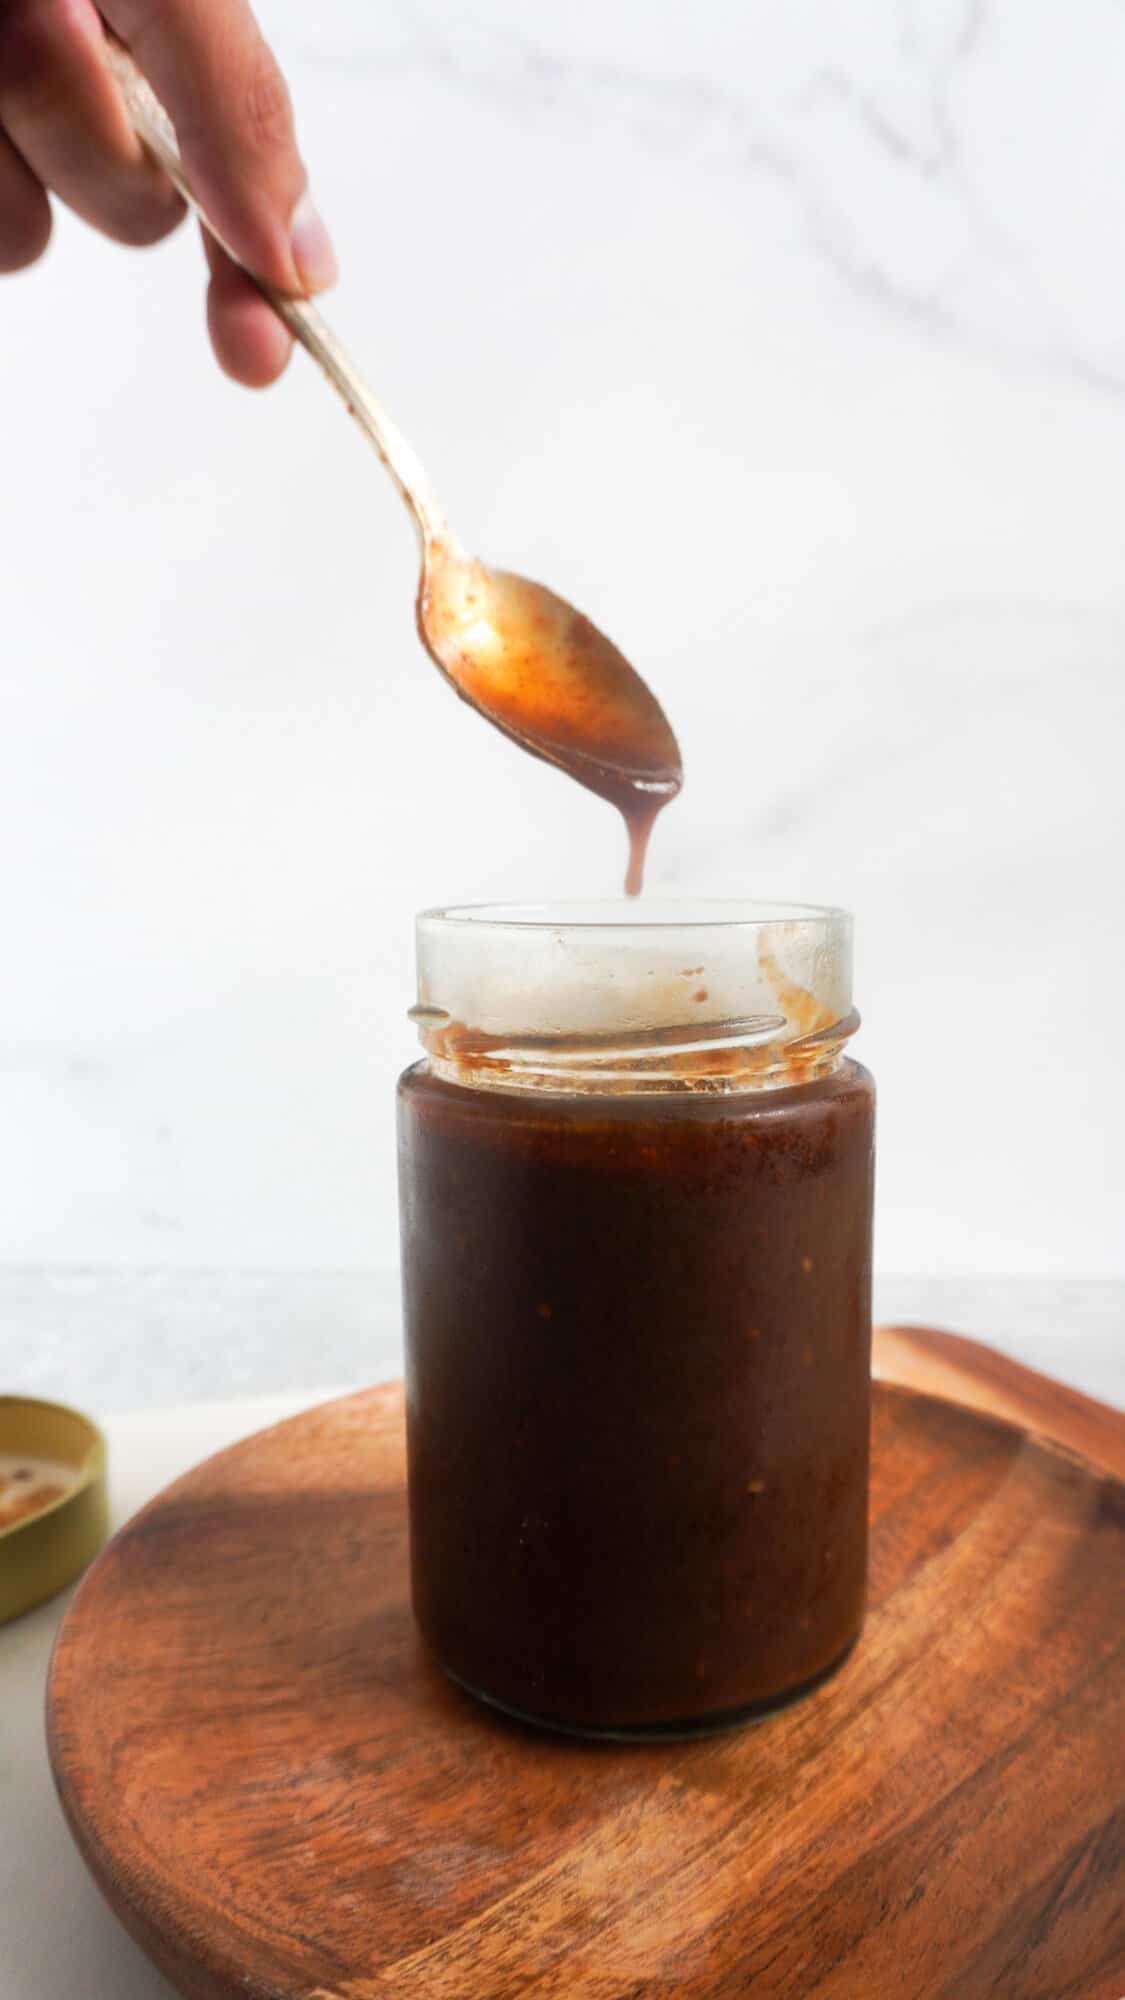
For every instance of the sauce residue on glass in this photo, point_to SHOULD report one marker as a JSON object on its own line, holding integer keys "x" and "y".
{"x": 797, "y": 1044}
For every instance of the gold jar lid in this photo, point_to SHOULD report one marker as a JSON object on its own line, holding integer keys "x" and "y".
{"x": 54, "y": 1502}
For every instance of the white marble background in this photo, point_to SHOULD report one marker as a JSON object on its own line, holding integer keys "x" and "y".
{"x": 790, "y": 343}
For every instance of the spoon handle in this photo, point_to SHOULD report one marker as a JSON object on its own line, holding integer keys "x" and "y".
{"x": 154, "y": 129}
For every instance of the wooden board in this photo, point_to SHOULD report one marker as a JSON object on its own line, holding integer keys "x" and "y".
{"x": 946, "y": 1364}
{"x": 281, "y": 1796}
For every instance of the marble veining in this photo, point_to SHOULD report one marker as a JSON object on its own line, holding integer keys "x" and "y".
{"x": 888, "y": 132}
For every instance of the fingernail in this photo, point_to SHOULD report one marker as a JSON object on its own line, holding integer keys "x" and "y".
{"x": 311, "y": 246}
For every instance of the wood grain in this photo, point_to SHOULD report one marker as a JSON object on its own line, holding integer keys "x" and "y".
{"x": 282, "y": 1797}
{"x": 946, "y": 1364}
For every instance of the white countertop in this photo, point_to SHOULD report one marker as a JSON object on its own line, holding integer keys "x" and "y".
{"x": 58, "y": 1937}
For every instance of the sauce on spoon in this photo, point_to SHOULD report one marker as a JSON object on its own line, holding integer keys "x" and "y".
{"x": 544, "y": 674}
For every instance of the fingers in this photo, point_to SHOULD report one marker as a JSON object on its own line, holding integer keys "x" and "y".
{"x": 63, "y": 126}
{"x": 249, "y": 340}
{"x": 25, "y": 212}
{"x": 228, "y": 101}
{"x": 62, "y": 113}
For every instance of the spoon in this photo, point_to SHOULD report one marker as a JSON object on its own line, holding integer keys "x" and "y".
{"x": 521, "y": 656}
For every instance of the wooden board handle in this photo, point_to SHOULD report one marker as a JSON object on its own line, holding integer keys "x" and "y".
{"x": 946, "y": 1364}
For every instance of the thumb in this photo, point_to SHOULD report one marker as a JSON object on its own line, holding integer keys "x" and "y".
{"x": 227, "y": 98}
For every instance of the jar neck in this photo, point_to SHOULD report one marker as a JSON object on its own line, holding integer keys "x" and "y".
{"x": 617, "y": 999}
{"x": 720, "y": 1059}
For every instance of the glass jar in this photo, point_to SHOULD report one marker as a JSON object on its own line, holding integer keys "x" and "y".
{"x": 636, "y": 1188}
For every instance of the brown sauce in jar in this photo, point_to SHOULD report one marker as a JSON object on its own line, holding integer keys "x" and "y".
{"x": 638, "y": 1338}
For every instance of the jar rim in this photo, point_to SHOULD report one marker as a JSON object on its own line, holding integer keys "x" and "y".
{"x": 653, "y": 915}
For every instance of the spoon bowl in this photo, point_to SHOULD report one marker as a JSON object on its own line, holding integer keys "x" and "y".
{"x": 544, "y": 674}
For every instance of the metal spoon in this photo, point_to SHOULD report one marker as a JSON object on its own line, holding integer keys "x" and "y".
{"x": 517, "y": 653}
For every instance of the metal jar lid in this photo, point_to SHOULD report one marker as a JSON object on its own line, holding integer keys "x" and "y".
{"x": 51, "y": 1544}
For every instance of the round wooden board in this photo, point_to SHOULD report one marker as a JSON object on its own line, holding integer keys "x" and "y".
{"x": 285, "y": 1800}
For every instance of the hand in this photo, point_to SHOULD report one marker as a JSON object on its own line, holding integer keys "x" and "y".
{"x": 63, "y": 128}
